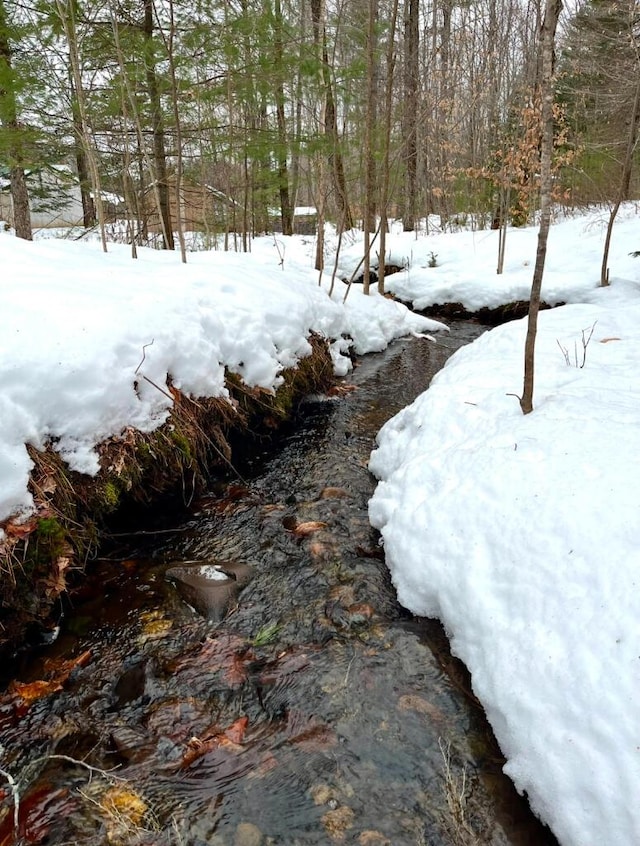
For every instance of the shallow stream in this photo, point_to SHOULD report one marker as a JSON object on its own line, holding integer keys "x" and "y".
{"x": 316, "y": 711}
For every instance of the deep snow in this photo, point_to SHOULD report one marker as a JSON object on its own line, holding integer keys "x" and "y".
{"x": 520, "y": 533}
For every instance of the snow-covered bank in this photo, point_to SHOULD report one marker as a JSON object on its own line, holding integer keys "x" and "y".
{"x": 80, "y": 330}
{"x": 521, "y": 535}
{"x": 465, "y": 270}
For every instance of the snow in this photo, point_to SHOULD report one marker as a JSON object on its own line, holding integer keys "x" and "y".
{"x": 518, "y": 532}
{"x": 521, "y": 532}
{"x": 89, "y": 340}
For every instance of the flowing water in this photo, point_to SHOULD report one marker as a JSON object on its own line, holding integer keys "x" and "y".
{"x": 310, "y": 709}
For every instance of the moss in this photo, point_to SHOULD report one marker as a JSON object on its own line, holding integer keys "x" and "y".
{"x": 51, "y": 538}
{"x": 110, "y": 496}
{"x": 182, "y": 444}
{"x": 136, "y": 469}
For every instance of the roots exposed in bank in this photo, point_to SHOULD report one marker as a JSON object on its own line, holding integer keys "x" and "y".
{"x": 39, "y": 554}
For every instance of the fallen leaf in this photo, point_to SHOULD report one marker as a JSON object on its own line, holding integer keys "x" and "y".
{"x": 606, "y": 340}
{"x": 412, "y": 702}
{"x": 341, "y": 390}
{"x": 31, "y": 691}
{"x": 308, "y": 528}
{"x": 230, "y": 738}
{"x": 334, "y": 493}
{"x": 236, "y": 731}
{"x": 20, "y": 530}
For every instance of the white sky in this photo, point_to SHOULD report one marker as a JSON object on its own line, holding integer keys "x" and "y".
{"x": 520, "y": 533}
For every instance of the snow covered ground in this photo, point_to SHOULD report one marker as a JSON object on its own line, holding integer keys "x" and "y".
{"x": 520, "y": 533}
{"x": 77, "y": 323}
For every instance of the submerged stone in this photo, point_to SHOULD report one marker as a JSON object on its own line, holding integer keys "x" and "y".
{"x": 209, "y": 587}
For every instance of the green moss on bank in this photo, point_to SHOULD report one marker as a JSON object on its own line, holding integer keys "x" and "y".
{"x": 136, "y": 469}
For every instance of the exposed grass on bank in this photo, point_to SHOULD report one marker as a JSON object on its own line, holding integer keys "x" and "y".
{"x": 39, "y": 555}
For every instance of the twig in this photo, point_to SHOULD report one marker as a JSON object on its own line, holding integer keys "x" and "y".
{"x": 15, "y": 792}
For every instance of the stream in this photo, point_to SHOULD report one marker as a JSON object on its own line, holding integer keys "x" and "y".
{"x": 310, "y": 708}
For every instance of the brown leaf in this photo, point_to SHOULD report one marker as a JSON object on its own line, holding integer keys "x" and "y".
{"x": 308, "y": 732}
{"x": 308, "y": 528}
{"x": 31, "y": 691}
{"x": 20, "y": 530}
{"x": 333, "y": 493}
{"x": 230, "y": 738}
{"x": 58, "y": 670}
{"x": 236, "y": 731}
{"x": 341, "y": 390}
{"x": 413, "y": 702}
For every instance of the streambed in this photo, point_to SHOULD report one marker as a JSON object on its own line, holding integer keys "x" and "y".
{"x": 315, "y": 711}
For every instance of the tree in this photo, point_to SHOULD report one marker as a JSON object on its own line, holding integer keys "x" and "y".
{"x": 599, "y": 67}
{"x": 14, "y": 135}
{"x": 157, "y": 123}
{"x": 545, "y": 94}
{"x": 411, "y": 82}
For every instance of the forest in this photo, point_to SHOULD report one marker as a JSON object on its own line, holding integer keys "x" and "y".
{"x": 225, "y": 116}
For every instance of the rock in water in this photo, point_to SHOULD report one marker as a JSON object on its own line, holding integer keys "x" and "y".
{"x": 208, "y": 588}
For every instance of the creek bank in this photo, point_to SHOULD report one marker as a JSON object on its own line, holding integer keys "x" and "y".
{"x": 486, "y": 316}
{"x": 316, "y": 711}
{"x": 456, "y": 310}
{"x": 45, "y": 555}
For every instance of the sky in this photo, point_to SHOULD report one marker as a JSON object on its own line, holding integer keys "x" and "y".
{"x": 519, "y": 532}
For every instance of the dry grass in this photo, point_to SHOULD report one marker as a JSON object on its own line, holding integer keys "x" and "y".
{"x": 39, "y": 554}
{"x": 456, "y": 790}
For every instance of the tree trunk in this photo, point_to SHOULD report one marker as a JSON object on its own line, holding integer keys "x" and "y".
{"x": 368, "y": 221}
{"x": 625, "y": 180}
{"x": 286, "y": 212}
{"x": 546, "y": 93}
{"x": 168, "y": 41}
{"x": 157, "y": 127}
{"x": 334, "y": 157}
{"x": 66, "y": 12}
{"x": 9, "y": 112}
{"x": 84, "y": 178}
{"x": 20, "y": 201}
{"x": 386, "y": 143}
{"x": 410, "y": 114}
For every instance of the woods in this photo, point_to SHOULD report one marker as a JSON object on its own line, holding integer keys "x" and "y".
{"x": 362, "y": 110}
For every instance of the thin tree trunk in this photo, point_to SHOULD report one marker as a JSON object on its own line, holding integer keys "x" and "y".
{"x": 546, "y": 93}
{"x": 84, "y": 179}
{"x": 286, "y": 211}
{"x": 368, "y": 221}
{"x": 625, "y": 180}
{"x": 168, "y": 42}
{"x": 334, "y": 157}
{"x": 157, "y": 127}
{"x": 410, "y": 114}
{"x": 66, "y": 13}
{"x": 386, "y": 140}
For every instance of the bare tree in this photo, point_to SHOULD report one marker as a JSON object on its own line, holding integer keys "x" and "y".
{"x": 545, "y": 92}
{"x": 368, "y": 215}
{"x": 411, "y": 82}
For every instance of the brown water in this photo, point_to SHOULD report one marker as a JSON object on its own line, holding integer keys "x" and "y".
{"x": 317, "y": 711}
